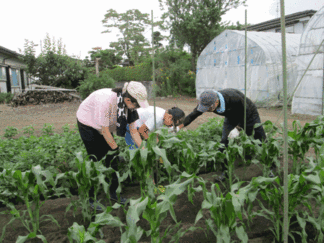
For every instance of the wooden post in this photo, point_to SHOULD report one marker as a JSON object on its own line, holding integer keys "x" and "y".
{"x": 97, "y": 66}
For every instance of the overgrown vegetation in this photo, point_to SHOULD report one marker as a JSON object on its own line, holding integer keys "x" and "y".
{"x": 5, "y": 98}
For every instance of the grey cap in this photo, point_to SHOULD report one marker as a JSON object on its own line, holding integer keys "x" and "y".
{"x": 206, "y": 100}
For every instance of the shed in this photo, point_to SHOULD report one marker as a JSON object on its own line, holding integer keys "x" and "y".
{"x": 308, "y": 98}
{"x": 222, "y": 65}
{"x": 13, "y": 77}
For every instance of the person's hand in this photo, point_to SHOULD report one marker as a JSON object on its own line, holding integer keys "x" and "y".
{"x": 234, "y": 133}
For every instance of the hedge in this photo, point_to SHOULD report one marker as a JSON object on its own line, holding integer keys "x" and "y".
{"x": 141, "y": 72}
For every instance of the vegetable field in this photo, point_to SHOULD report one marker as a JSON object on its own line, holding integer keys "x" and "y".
{"x": 44, "y": 184}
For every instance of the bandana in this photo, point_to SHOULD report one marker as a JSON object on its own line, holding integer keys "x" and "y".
{"x": 221, "y": 109}
{"x": 124, "y": 116}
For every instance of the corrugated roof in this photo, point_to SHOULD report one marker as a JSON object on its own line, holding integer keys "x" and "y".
{"x": 275, "y": 23}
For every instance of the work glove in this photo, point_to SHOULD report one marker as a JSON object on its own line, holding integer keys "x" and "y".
{"x": 234, "y": 133}
{"x": 171, "y": 129}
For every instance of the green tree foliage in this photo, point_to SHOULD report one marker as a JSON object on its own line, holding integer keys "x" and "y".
{"x": 93, "y": 83}
{"x": 196, "y": 22}
{"x": 108, "y": 58}
{"x": 173, "y": 73}
{"x": 157, "y": 37}
{"x": 53, "y": 66}
{"x": 131, "y": 26}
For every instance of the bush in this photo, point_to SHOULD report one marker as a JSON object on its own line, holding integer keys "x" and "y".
{"x": 6, "y": 98}
{"x": 93, "y": 83}
{"x": 173, "y": 74}
{"x": 141, "y": 72}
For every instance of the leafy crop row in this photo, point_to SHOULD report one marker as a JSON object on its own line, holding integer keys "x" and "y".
{"x": 184, "y": 155}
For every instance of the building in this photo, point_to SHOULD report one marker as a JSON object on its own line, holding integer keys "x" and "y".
{"x": 222, "y": 65}
{"x": 295, "y": 23}
{"x": 13, "y": 76}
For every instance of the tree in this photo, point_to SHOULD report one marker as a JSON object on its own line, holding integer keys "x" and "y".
{"x": 53, "y": 66}
{"x": 196, "y": 22}
{"x": 157, "y": 37}
{"x": 108, "y": 58}
{"x": 131, "y": 26}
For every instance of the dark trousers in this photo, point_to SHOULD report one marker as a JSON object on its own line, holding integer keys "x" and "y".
{"x": 230, "y": 125}
{"x": 97, "y": 148}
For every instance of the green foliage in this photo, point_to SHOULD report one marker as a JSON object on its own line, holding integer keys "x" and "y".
{"x": 53, "y": 66}
{"x": 5, "y": 98}
{"x": 131, "y": 25}
{"x": 173, "y": 73}
{"x": 47, "y": 129}
{"x": 29, "y": 130}
{"x": 224, "y": 210}
{"x": 30, "y": 185}
{"x": 108, "y": 58}
{"x": 196, "y": 23}
{"x": 140, "y": 72}
{"x": 10, "y": 132}
{"x": 93, "y": 83}
{"x": 20, "y": 178}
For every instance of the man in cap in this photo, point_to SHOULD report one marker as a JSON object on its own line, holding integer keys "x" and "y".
{"x": 228, "y": 103}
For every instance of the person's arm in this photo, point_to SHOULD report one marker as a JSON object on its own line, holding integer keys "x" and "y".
{"x": 109, "y": 137}
{"x": 135, "y": 134}
{"x": 191, "y": 117}
{"x": 143, "y": 130}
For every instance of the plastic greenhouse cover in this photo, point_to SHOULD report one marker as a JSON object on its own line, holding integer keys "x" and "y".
{"x": 221, "y": 65}
{"x": 308, "y": 98}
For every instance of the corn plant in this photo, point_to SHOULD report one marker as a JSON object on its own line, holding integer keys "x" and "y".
{"x": 272, "y": 192}
{"x": 144, "y": 161}
{"x": 29, "y": 186}
{"x": 88, "y": 175}
{"x": 77, "y": 233}
{"x": 299, "y": 144}
{"x": 224, "y": 210}
{"x": 268, "y": 152}
{"x": 232, "y": 152}
{"x": 316, "y": 177}
{"x": 156, "y": 209}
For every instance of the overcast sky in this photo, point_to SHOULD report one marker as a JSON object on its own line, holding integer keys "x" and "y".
{"x": 79, "y": 23}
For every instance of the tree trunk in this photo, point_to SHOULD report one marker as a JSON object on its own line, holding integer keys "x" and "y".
{"x": 193, "y": 61}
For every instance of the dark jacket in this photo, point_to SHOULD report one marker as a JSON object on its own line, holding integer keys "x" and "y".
{"x": 234, "y": 109}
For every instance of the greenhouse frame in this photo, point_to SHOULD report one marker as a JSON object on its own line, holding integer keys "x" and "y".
{"x": 221, "y": 65}
{"x": 308, "y": 98}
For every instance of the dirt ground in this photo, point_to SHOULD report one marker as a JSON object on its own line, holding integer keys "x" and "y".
{"x": 65, "y": 113}
{"x": 61, "y": 114}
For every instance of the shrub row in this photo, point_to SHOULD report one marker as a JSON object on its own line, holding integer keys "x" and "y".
{"x": 141, "y": 72}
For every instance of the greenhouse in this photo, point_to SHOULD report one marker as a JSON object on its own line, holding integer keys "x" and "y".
{"x": 308, "y": 98}
{"x": 221, "y": 65}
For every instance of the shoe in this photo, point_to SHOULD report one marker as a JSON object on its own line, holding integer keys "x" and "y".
{"x": 98, "y": 208}
{"x": 113, "y": 197}
{"x": 222, "y": 177}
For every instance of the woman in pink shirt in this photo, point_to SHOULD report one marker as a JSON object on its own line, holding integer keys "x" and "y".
{"x": 106, "y": 111}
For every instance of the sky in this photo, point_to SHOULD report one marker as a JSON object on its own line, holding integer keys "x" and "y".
{"x": 79, "y": 23}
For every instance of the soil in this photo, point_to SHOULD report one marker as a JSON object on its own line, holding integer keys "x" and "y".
{"x": 61, "y": 114}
